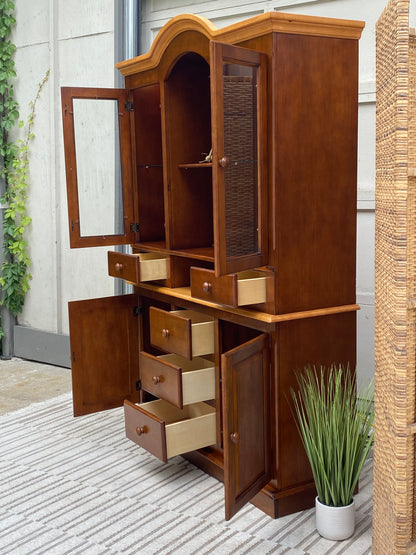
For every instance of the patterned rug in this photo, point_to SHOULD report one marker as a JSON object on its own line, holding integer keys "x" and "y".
{"x": 78, "y": 486}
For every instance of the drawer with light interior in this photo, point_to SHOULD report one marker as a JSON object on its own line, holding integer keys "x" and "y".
{"x": 239, "y": 289}
{"x": 166, "y": 431}
{"x": 184, "y": 332}
{"x": 176, "y": 379}
{"x": 138, "y": 267}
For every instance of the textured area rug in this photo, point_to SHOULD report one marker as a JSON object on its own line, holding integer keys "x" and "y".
{"x": 78, "y": 486}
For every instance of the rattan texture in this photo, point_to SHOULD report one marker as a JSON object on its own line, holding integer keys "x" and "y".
{"x": 240, "y": 133}
{"x": 395, "y": 296}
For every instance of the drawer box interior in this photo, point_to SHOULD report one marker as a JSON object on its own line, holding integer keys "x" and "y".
{"x": 198, "y": 377}
{"x": 202, "y": 329}
{"x": 153, "y": 266}
{"x": 251, "y": 287}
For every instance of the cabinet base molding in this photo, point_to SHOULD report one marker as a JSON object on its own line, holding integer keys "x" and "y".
{"x": 281, "y": 503}
{"x": 269, "y": 500}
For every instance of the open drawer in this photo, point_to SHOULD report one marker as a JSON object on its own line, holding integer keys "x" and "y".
{"x": 138, "y": 267}
{"x": 166, "y": 431}
{"x": 185, "y": 332}
{"x": 243, "y": 288}
{"x": 176, "y": 379}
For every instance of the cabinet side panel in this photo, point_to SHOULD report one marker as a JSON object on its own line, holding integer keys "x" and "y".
{"x": 316, "y": 101}
{"x": 316, "y": 342}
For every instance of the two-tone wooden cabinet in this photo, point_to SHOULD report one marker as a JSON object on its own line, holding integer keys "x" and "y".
{"x": 228, "y": 163}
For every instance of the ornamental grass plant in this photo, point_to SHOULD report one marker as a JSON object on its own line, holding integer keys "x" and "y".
{"x": 336, "y": 426}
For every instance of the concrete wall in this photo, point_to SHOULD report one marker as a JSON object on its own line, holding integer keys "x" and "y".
{"x": 75, "y": 39}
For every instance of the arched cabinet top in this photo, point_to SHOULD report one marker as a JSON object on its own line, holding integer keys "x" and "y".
{"x": 237, "y": 33}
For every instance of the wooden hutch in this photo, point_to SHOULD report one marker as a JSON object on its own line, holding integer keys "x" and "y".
{"x": 237, "y": 192}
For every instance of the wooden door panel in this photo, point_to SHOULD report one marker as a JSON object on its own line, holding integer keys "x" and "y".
{"x": 104, "y": 352}
{"x": 239, "y": 161}
{"x": 247, "y": 451}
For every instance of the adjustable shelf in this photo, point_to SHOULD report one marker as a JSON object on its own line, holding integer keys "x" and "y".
{"x": 195, "y": 166}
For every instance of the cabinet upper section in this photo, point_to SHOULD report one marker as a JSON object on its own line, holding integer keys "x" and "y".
{"x": 183, "y": 160}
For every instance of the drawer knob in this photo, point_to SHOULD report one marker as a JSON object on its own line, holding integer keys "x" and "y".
{"x": 165, "y": 332}
{"x": 224, "y": 161}
{"x": 118, "y": 267}
{"x": 141, "y": 430}
{"x": 156, "y": 379}
{"x": 207, "y": 286}
{"x": 235, "y": 437}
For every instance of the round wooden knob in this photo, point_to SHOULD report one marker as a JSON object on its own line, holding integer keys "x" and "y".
{"x": 224, "y": 161}
{"x": 165, "y": 332}
{"x": 206, "y": 286}
{"x": 156, "y": 379}
{"x": 235, "y": 437}
{"x": 118, "y": 266}
{"x": 141, "y": 430}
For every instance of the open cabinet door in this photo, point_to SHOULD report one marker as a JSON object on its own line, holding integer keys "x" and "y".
{"x": 104, "y": 352}
{"x": 247, "y": 451}
{"x": 239, "y": 158}
{"x": 98, "y": 162}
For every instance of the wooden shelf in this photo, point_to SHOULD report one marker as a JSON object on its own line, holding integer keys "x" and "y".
{"x": 199, "y": 253}
{"x": 195, "y": 166}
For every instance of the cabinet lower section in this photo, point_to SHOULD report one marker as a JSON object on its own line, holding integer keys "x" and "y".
{"x": 222, "y": 385}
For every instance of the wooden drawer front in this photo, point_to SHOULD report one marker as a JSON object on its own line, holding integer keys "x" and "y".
{"x": 243, "y": 288}
{"x": 176, "y": 379}
{"x": 166, "y": 431}
{"x": 144, "y": 266}
{"x": 184, "y": 332}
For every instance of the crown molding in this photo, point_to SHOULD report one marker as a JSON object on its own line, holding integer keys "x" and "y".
{"x": 259, "y": 25}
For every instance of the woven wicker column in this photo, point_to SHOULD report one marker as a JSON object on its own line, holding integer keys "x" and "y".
{"x": 394, "y": 452}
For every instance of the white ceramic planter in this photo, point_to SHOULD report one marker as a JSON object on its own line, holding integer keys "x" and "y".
{"x": 335, "y": 523}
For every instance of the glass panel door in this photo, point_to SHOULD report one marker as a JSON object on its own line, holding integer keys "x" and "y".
{"x": 239, "y": 165}
{"x": 98, "y": 166}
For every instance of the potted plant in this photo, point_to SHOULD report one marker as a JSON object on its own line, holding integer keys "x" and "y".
{"x": 336, "y": 427}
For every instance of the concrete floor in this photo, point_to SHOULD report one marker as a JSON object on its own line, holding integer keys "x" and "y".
{"x": 23, "y": 382}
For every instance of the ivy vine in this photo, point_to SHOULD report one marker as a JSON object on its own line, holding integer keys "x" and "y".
{"x": 14, "y": 272}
